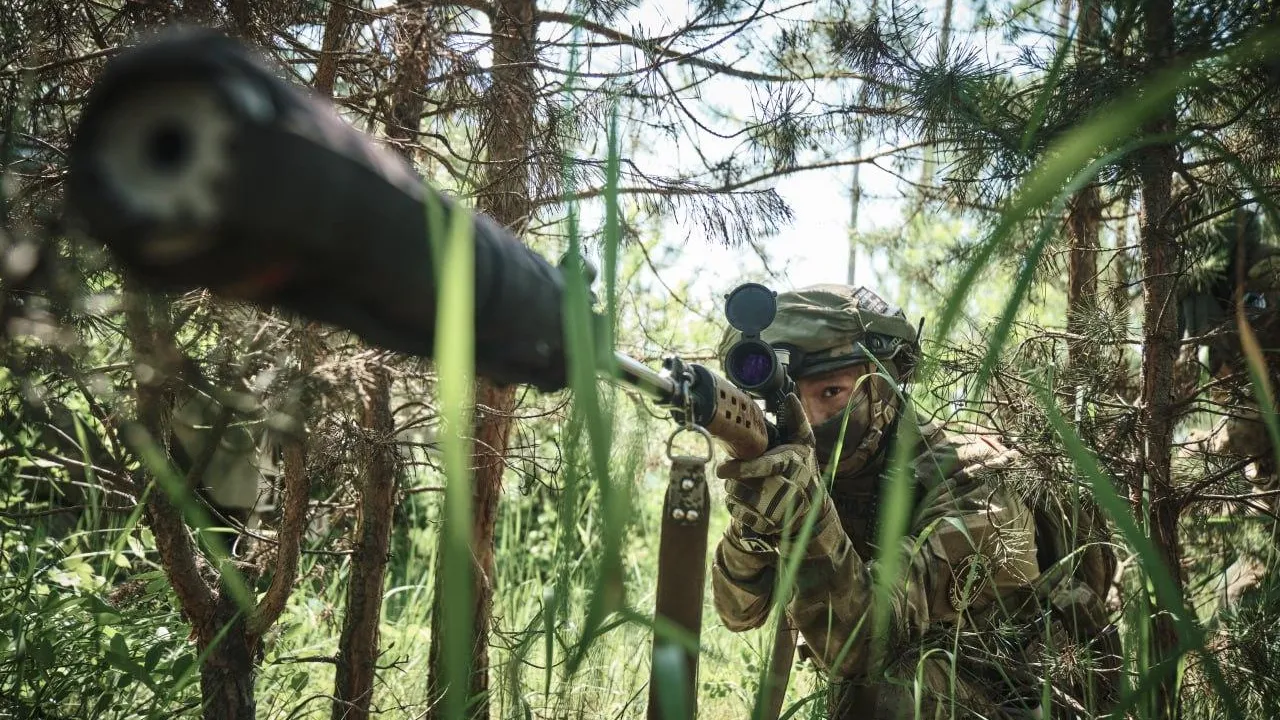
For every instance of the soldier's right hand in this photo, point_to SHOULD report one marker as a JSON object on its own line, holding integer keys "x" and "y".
{"x": 770, "y": 495}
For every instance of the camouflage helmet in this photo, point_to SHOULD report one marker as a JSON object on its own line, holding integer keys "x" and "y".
{"x": 826, "y": 327}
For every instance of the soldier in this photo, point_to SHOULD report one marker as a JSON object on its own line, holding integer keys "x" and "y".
{"x": 980, "y": 571}
{"x": 1210, "y": 313}
{"x": 1246, "y": 286}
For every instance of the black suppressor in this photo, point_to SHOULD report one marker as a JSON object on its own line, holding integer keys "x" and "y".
{"x": 200, "y": 168}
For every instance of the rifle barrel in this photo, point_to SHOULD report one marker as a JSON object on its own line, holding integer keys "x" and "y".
{"x": 659, "y": 387}
{"x": 199, "y": 167}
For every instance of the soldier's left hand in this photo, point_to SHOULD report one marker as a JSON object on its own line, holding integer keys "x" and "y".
{"x": 771, "y": 495}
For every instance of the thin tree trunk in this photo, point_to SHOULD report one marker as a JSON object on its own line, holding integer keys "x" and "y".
{"x": 1084, "y": 212}
{"x": 297, "y": 491}
{"x": 296, "y": 450}
{"x": 855, "y": 201}
{"x": 494, "y": 407}
{"x": 929, "y": 163}
{"x": 241, "y": 12}
{"x": 335, "y": 28}
{"x": 855, "y": 185}
{"x": 227, "y": 674}
{"x": 1084, "y": 219}
{"x": 358, "y": 644}
{"x": 505, "y": 195}
{"x": 1160, "y": 343}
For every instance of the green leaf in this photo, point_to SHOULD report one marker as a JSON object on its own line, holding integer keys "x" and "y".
{"x": 153, "y": 657}
{"x": 159, "y": 586}
{"x": 299, "y": 681}
{"x": 106, "y": 619}
{"x": 181, "y": 668}
{"x": 118, "y": 650}
{"x": 44, "y": 653}
{"x": 455, "y": 361}
{"x": 55, "y": 604}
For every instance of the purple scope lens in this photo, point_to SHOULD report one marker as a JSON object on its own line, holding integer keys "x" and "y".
{"x": 753, "y": 368}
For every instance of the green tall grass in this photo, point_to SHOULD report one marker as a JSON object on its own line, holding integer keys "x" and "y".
{"x": 455, "y": 363}
{"x": 1071, "y": 163}
{"x": 576, "y": 567}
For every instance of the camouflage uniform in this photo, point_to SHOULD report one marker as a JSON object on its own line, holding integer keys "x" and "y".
{"x": 1240, "y": 435}
{"x": 976, "y": 569}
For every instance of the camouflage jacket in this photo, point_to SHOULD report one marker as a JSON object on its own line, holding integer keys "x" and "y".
{"x": 972, "y": 559}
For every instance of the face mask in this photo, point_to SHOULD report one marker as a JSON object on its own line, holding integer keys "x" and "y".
{"x": 827, "y": 433}
{"x": 874, "y": 409}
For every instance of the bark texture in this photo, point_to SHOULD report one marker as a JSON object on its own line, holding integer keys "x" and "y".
{"x": 335, "y": 30}
{"x": 1084, "y": 211}
{"x": 508, "y": 133}
{"x": 228, "y": 672}
{"x": 358, "y": 644}
{"x": 1160, "y": 264}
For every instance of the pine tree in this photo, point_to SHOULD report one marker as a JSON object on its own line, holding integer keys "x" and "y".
{"x": 996, "y": 123}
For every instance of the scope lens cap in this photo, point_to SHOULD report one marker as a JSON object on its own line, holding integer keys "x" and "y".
{"x": 751, "y": 308}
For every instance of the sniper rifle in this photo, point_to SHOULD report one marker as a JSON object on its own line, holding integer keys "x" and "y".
{"x": 199, "y": 168}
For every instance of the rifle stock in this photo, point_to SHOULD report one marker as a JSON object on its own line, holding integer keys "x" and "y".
{"x": 724, "y": 410}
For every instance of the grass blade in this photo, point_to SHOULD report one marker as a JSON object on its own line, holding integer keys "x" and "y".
{"x": 455, "y": 362}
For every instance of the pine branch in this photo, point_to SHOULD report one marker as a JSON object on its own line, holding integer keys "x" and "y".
{"x": 662, "y": 50}
{"x": 694, "y": 189}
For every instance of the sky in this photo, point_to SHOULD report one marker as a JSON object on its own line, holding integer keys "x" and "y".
{"x": 814, "y": 246}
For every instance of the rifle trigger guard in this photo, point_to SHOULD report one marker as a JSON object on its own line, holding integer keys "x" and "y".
{"x": 690, "y": 427}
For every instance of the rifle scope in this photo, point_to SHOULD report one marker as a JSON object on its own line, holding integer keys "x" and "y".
{"x": 753, "y": 364}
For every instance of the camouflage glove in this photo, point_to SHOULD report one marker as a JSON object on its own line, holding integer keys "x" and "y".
{"x": 768, "y": 497}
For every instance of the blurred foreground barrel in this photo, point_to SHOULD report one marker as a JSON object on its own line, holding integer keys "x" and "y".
{"x": 198, "y": 167}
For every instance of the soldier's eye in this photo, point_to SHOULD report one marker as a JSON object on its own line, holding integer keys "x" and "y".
{"x": 1255, "y": 301}
{"x": 831, "y": 391}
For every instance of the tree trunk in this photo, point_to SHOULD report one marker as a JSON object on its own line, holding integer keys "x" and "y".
{"x": 1084, "y": 218}
{"x": 1084, "y": 212}
{"x": 335, "y": 28}
{"x": 227, "y": 637}
{"x": 297, "y": 493}
{"x": 228, "y": 673}
{"x": 855, "y": 185}
{"x": 508, "y": 132}
{"x": 929, "y": 158}
{"x": 358, "y": 645}
{"x": 241, "y": 12}
{"x": 1160, "y": 343}
{"x": 855, "y": 201}
{"x": 494, "y": 407}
